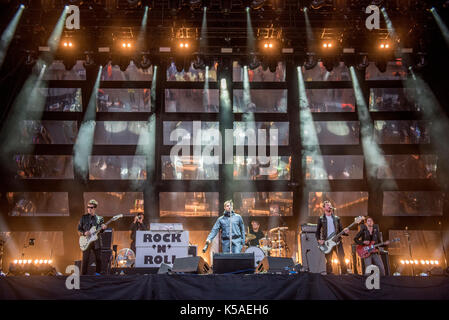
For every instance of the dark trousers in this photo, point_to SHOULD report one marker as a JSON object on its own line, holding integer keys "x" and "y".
{"x": 86, "y": 255}
{"x": 338, "y": 249}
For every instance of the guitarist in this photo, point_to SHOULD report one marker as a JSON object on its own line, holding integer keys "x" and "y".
{"x": 87, "y": 221}
{"x": 367, "y": 235}
{"x": 329, "y": 224}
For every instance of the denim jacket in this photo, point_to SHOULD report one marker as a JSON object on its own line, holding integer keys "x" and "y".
{"x": 224, "y": 223}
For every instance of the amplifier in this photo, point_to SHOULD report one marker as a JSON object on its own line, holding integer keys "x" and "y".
{"x": 309, "y": 228}
{"x": 106, "y": 239}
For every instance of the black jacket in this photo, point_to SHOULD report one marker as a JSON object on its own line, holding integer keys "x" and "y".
{"x": 321, "y": 228}
{"x": 137, "y": 227}
{"x": 87, "y": 221}
{"x": 364, "y": 235}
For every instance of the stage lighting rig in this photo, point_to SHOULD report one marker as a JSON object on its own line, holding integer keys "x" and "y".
{"x": 384, "y": 49}
{"x": 184, "y": 44}
{"x": 330, "y": 47}
{"x": 124, "y": 41}
{"x": 185, "y": 39}
{"x": 270, "y": 40}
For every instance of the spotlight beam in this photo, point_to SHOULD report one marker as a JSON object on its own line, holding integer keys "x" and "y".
{"x": 250, "y": 40}
{"x": 143, "y": 29}
{"x": 441, "y": 25}
{"x": 309, "y": 138}
{"x": 433, "y": 112}
{"x": 146, "y": 145}
{"x": 203, "y": 36}
{"x": 28, "y": 100}
{"x": 309, "y": 30}
{"x": 374, "y": 157}
{"x": 55, "y": 37}
{"x": 8, "y": 34}
{"x": 84, "y": 142}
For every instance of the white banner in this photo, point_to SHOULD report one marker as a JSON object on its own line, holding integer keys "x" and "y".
{"x": 157, "y": 247}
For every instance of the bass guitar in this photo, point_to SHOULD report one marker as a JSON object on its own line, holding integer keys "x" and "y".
{"x": 331, "y": 240}
{"x": 365, "y": 251}
{"x": 85, "y": 241}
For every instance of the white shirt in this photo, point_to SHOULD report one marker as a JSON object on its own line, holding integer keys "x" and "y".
{"x": 330, "y": 225}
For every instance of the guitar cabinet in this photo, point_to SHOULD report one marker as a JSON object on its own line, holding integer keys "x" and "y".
{"x": 313, "y": 259}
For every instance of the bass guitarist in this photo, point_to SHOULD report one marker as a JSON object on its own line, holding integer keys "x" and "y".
{"x": 367, "y": 235}
{"x": 329, "y": 224}
{"x": 87, "y": 221}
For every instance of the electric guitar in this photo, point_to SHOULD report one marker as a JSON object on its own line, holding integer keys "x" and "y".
{"x": 331, "y": 240}
{"x": 85, "y": 241}
{"x": 365, "y": 251}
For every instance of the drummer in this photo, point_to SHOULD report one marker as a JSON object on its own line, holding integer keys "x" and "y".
{"x": 255, "y": 230}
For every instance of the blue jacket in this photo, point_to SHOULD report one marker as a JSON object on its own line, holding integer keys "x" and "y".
{"x": 224, "y": 223}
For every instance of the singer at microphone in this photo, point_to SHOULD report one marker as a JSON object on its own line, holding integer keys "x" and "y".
{"x": 232, "y": 231}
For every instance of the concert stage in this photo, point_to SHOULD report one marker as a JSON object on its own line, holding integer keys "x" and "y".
{"x": 302, "y": 286}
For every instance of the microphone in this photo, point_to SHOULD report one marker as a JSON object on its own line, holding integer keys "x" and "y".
{"x": 205, "y": 247}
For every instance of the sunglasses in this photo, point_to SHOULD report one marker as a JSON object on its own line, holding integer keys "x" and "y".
{"x": 90, "y": 207}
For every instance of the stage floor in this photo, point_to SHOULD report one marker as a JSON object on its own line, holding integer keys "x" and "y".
{"x": 302, "y": 286}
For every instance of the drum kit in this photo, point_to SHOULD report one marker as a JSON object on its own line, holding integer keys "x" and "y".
{"x": 274, "y": 245}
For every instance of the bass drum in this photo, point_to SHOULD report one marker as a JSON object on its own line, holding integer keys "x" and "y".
{"x": 258, "y": 254}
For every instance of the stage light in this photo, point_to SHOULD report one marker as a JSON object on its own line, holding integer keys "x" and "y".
{"x": 427, "y": 262}
{"x": 41, "y": 261}
{"x": 20, "y": 261}
{"x": 36, "y": 261}
{"x": 29, "y": 261}
{"x": 402, "y": 261}
{"x": 328, "y": 45}
{"x": 67, "y": 44}
{"x": 268, "y": 45}
{"x": 15, "y": 261}
{"x": 385, "y": 46}
{"x": 407, "y": 262}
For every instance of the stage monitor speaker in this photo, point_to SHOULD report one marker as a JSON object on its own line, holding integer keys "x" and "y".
{"x": 275, "y": 265}
{"x": 313, "y": 259}
{"x": 191, "y": 265}
{"x": 164, "y": 268}
{"x": 233, "y": 262}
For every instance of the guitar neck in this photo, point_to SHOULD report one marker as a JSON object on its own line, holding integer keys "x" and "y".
{"x": 98, "y": 230}
{"x": 339, "y": 234}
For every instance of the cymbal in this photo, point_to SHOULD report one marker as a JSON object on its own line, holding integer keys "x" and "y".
{"x": 279, "y": 229}
{"x": 250, "y": 236}
{"x": 277, "y": 237}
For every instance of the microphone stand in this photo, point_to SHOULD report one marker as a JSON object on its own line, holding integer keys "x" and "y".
{"x": 307, "y": 260}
